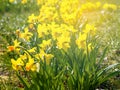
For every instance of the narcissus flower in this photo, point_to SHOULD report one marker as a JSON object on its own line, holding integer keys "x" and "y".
{"x": 32, "y": 19}
{"x": 26, "y": 35}
{"x": 17, "y": 64}
{"x": 15, "y": 46}
{"x": 42, "y": 30}
{"x": 44, "y": 56}
{"x": 31, "y": 65}
{"x": 63, "y": 42}
{"x": 46, "y": 44}
{"x": 81, "y": 41}
{"x": 90, "y": 29}
{"x": 32, "y": 50}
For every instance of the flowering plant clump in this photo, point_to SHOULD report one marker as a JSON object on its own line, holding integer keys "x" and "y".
{"x": 55, "y": 51}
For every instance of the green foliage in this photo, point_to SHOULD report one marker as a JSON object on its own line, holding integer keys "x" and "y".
{"x": 68, "y": 70}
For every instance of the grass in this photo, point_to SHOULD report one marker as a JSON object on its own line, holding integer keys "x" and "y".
{"x": 12, "y": 19}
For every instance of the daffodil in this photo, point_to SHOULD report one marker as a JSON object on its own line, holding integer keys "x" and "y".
{"x": 42, "y": 30}
{"x": 81, "y": 41}
{"x": 48, "y": 13}
{"x": 32, "y": 50}
{"x": 26, "y": 35}
{"x": 63, "y": 42}
{"x": 15, "y": 46}
{"x": 44, "y": 56}
{"x": 24, "y": 56}
{"x": 46, "y": 44}
{"x": 90, "y": 29}
{"x": 32, "y": 19}
{"x": 30, "y": 65}
{"x": 48, "y": 57}
{"x": 17, "y": 64}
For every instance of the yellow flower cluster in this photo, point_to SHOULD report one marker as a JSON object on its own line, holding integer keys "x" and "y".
{"x": 67, "y": 11}
{"x": 61, "y": 34}
{"x": 57, "y": 26}
{"x": 19, "y": 64}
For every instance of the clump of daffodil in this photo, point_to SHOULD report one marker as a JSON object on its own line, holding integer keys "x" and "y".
{"x": 68, "y": 11}
{"x": 48, "y": 13}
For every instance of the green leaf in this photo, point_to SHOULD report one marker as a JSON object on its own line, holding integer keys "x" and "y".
{"x": 102, "y": 58}
{"x": 111, "y": 74}
{"x": 25, "y": 83}
{"x": 103, "y": 71}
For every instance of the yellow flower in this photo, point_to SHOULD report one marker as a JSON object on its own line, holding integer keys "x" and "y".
{"x": 32, "y": 19}
{"x": 90, "y": 29}
{"x": 15, "y": 46}
{"x": 46, "y": 44}
{"x": 31, "y": 26}
{"x": 17, "y": 64}
{"x": 54, "y": 30}
{"x": 63, "y": 42}
{"x": 68, "y": 11}
{"x": 42, "y": 30}
{"x": 44, "y": 56}
{"x": 26, "y": 35}
{"x": 32, "y": 50}
{"x": 24, "y": 56}
{"x": 48, "y": 57}
{"x": 39, "y": 2}
{"x": 98, "y": 4}
{"x": 81, "y": 41}
{"x": 88, "y": 48}
{"x": 24, "y": 1}
{"x": 31, "y": 65}
{"x": 48, "y": 13}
